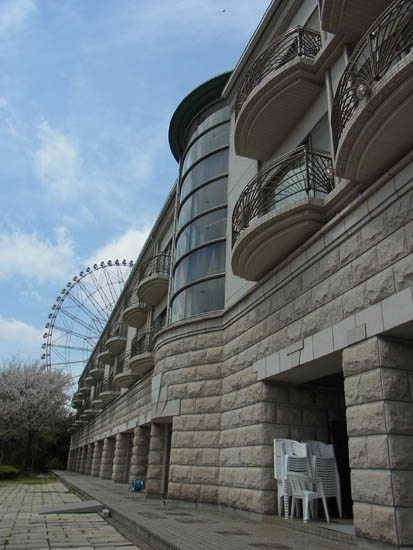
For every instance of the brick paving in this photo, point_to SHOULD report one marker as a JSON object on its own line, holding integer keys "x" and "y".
{"x": 176, "y": 526}
{"x": 22, "y": 528}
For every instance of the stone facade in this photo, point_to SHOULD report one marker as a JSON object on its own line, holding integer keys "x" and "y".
{"x": 319, "y": 348}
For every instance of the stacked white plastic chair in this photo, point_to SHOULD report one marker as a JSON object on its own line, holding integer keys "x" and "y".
{"x": 324, "y": 466}
{"x": 297, "y": 455}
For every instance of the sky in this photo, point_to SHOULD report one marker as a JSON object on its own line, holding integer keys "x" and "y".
{"x": 87, "y": 91}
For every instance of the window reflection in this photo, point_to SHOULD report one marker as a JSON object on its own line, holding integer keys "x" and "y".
{"x": 214, "y": 139}
{"x": 213, "y": 194}
{"x": 204, "y": 262}
{"x": 199, "y": 298}
{"x": 210, "y": 227}
{"x": 210, "y": 117}
{"x": 207, "y": 169}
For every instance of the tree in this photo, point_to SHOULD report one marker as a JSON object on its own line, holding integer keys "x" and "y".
{"x": 33, "y": 400}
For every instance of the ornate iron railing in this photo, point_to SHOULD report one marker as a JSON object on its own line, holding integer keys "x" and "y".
{"x": 117, "y": 329}
{"x": 132, "y": 299}
{"x": 107, "y": 384}
{"x": 301, "y": 173}
{"x": 297, "y": 42}
{"x": 159, "y": 264}
{"x": 387, "y": 41}
{"x": 142, "y": 342}
{"x": 123, "y": 362}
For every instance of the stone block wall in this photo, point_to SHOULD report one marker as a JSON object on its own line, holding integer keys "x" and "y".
{"x": 97, "y": 458}
{"x": 107, "y": 458}
{"x": 120, "y": 458}
{"x": 379, "y": 398}
{"x": 140, "y": 453}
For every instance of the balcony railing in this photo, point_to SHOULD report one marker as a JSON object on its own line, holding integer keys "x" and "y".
{"x": 132, "y": 300}
{"x": 142, "y": 342}
{"x": 297, "y": 42}
{"x": 388, "y": 40}
{"x": 299, "y": 174}
{"x": 107, "y": 384}
{"x": 117, "y": 329}
{"x": 160, "y": 264}
{"x": 123, "y": 362}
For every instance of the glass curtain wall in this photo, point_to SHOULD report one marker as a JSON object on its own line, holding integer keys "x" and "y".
{"x": 199, "y": 269}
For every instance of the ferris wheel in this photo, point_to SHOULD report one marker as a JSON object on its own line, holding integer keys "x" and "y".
{"x": 80, "y": 314}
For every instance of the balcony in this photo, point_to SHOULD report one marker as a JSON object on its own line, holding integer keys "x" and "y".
{"x": 350, "y": 18}
{"x": 84, "y": 390}
{"x": 276, "y": 91}
{"x": 105, "y": 356}
{"x": 77, "y": 400}
{"x": 278, "y": 210}
{"x": 97, "y": 371}
{"x": 124, "y": 376}
{"x": 135, "y": 312}
{"x": 108, "y": 392}
{"x": 90, "y": 380}
{"x": 116, "y": 342}
{"x": 98, "y": 403}
{"x": 141, "y": 358}
{"x": 373, "y": 105}
{"x": 88, "y": 409}
{"x": 154, "y": 279}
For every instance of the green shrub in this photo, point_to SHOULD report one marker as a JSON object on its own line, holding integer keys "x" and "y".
{"x": 8, "y": 472}
{"x": 55, "y": 464}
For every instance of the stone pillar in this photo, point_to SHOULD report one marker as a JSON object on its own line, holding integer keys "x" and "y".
{"x": 89, "y": 457}
{"x": 83, "y": 460}
{"x": 120, "y": 458}
{"x": 69, "y": 459}
{"x": 78, "y": 459}
{"x": 140, "y": 452}
{"x": 155, "y": 473}
{"x": 107, "y": 458}
{"x": 379, "y": 398}
{"x": 97, "y": 458}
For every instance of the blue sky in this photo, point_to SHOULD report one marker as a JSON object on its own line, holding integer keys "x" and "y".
{"x": 87, "y": 90}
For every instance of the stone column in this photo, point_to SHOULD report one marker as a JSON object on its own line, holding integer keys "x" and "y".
{"x": 83, "y": 460}
{"x": 89, "y": 457}
{"x": 107, "y": 458}
{"x": 140, "y": 452}
{"x": 78, "y": 459}
{"x": 379, "y": 398}
{"x": 97, "y": 458}
{"x": 154, "y": 480}
{"x": 120, "y": 457}
{"x": 69, "y": 460}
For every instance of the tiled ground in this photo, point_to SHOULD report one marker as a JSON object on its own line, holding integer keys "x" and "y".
{"x": 22, "y": 528}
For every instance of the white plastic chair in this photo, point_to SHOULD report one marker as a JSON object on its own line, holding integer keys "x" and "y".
{"x": 326, "y": 470}
{"x": 283, "y": 448}
{"x": 324, "y": 465}
{"x": 306, "y": 488}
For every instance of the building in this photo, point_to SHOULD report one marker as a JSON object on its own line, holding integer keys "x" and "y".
{"x": 273, "y": 298}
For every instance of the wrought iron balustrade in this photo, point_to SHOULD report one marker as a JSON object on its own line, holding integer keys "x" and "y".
{"x": 107, "y": 384}
{"x": 132, "y": 299}
{"x": 117, "y": 329}
{"x": 123, "y": 362}
{"x": 299, "y": 174}
{"x": 387, "y": 42}
{"x": 142, "y": 342}
{"x": 160, "y": 264}
{"x": 296, "y": 42}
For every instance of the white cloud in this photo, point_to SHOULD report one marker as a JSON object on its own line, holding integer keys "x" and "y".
{"x": 18, "y": 337}
{"x": 13, "y": 14}
{"x": 30, "y": 297}
{"x": 127, "y": 247}
{"x": 25, "y": 254}
{"x": 57, "y": 164}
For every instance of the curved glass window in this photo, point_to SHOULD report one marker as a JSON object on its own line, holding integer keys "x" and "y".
{"x": 204, "y": 262}
{"x": 210, "y": 117}
{"x": 210, "y": 227}
{"x": 214, "y": 139}
{"x": 209, "y": 196}
{"x": 209, "y": 168}
{"x": 199, "y": 298}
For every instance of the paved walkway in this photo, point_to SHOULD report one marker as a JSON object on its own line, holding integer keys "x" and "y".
{"x": 22, "y": 528}
{"x": 180, "y": 527}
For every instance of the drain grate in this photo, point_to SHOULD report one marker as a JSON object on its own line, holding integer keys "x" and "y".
{"x": 270, "y": 546}
{"x": 236, "y": 532}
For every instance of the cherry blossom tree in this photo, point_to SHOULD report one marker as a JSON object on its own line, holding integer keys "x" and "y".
{"x": 32, "y": 400}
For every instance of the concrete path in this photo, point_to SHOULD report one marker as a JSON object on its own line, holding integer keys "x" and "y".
{"x": 173, "y": 526}
{"x": 22, "y": 528}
